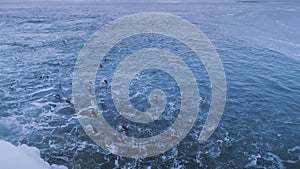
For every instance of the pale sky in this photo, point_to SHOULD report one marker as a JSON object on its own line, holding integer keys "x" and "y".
{"x": 125, "y": 1}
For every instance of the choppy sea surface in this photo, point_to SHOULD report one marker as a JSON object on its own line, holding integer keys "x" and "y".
{"x": 258, "y": 44}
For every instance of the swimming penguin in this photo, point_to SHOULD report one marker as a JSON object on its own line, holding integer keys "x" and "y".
{"x": 122, "y": 128}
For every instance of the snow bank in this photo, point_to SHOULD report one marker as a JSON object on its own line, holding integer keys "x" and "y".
{"x": 25, "y": 157}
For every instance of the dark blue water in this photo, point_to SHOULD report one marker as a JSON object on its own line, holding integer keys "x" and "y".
{"x": 39, "y": 44}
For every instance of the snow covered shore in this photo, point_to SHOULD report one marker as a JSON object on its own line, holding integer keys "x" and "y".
{"x": 23, "y": 156}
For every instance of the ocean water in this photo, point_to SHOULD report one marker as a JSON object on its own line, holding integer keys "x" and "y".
{"x": 258, "y": 44}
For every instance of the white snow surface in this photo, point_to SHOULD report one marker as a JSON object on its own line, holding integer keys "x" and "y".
{"x": 23, "y": 156}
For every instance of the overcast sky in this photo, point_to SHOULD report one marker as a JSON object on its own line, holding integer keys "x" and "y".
{"x": 125, "y": 1}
